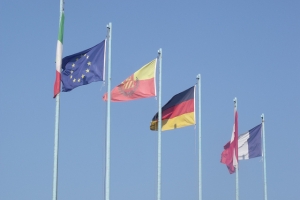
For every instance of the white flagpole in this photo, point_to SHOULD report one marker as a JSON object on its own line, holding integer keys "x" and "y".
{"x": 56, "y": 130}
{"x": 237, "y": 169}
{"x": 264, "y": 157}
{"x": 199, "y": 125}
{"x": 107, "y": 161}
{"x": 159, "y": 128}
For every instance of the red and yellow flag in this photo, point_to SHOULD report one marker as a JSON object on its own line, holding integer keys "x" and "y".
{"x": 139, "y": 85}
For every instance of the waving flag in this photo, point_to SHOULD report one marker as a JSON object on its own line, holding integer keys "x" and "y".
{"x": 178, "y": 112}
{"x": 250, "y": 144}
{"x": 141, "y": 84}
{"x": 229, "y": 156}
{"x": 84, "y": 67}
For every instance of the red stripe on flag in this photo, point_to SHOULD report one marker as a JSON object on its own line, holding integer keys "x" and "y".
{"x": 180, "y": 109}
{"x": 57, "y": 84}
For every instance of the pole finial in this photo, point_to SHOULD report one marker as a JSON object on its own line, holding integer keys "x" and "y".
{"x": 262, "y": 117}
{"x": 159, "y": 51}
{"x": 62, "y": 4}
{"x": 235, "y": 102}
{"x": 198, "y": 76}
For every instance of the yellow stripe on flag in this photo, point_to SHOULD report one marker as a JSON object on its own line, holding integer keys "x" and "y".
{"x": 187, "y": 119}
{"x": 146, "y": 72}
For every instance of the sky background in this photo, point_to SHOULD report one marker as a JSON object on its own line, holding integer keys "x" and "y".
{"x": 244, "y": 49}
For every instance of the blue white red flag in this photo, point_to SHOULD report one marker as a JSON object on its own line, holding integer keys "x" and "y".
{"x": 250, "y": 144}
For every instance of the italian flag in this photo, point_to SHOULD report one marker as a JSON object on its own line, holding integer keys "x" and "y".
{"x": 59, "y": 50}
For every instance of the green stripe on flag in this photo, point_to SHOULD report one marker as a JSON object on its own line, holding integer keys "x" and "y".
{"x": 61, "y": 28}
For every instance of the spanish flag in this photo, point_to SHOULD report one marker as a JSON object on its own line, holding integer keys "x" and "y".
{"x": 139, "y": 85}
{"x": 178, "y": 112}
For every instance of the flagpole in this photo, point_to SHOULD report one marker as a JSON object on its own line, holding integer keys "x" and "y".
{"x": 57, "y": 99}
{"x": 107, "y": 161}
{"x": 237, "y": 169}
{"x": 199, "y": 125}
{"x": 264, "y": 157}
{"x": 159, "y": 128}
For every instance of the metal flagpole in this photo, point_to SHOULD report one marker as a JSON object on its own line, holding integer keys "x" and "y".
{"x": 159, "y": 128}
{"x": 199, "y": 125}
{"x": 107, "y": 161}
{"x": 264, "y": 157}
{"x": 56, "y": 130}
{"x": 237, "y": 169}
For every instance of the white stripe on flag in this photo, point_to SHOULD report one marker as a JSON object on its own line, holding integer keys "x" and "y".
{"x": 243, "y": 146}
{"x": 59, "y": 49}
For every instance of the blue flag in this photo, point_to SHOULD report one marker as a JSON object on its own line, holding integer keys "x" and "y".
{"x": 84, "y": 67}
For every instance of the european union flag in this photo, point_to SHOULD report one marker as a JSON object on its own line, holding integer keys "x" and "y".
{"x": 84, "y": 67}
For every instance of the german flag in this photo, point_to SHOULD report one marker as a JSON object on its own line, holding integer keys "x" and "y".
{"x": 178, "y": 112}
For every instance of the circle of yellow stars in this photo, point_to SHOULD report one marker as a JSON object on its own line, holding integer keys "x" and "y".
{"x": 87, "y": 70}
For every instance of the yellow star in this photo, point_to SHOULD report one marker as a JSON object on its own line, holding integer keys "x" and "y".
{"x": 71, "y": 77}
{"x": 87, "y": 70}
{"x": 87, "y": 57}
{"x": 89, "y": 63}
{"x": 73, "y": 65}
{"x": 79, "y": 80}
{"x": 84, "y": 55}
{"x": 71, "y": 72}
{"x": 82, "y": 76}
{"x": 74, "y": 80}
{"x": 76, "y": 59}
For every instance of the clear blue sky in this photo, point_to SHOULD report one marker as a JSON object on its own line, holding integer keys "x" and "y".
{"x": 244, "y": 49}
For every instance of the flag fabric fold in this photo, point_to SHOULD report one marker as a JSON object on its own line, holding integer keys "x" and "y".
{"x": 83, "y": 67}
{"x": 229, "y": 156}
{"x": 139, "y": 85}
{"x": 249, "y": 144}
{"x": 178, "y": 112}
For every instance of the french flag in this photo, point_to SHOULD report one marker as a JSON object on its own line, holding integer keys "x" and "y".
{"x": 249, "y": 144}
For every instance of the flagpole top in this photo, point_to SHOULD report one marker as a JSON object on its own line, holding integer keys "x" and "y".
{"x": 62, "y": 3}
{"x": 235, "y": 102}
{"x": 108, "y": 25}
{"x": 262, "y": 117}
{"x": 159, "y": 51}
{"x": 198, "y": 76}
